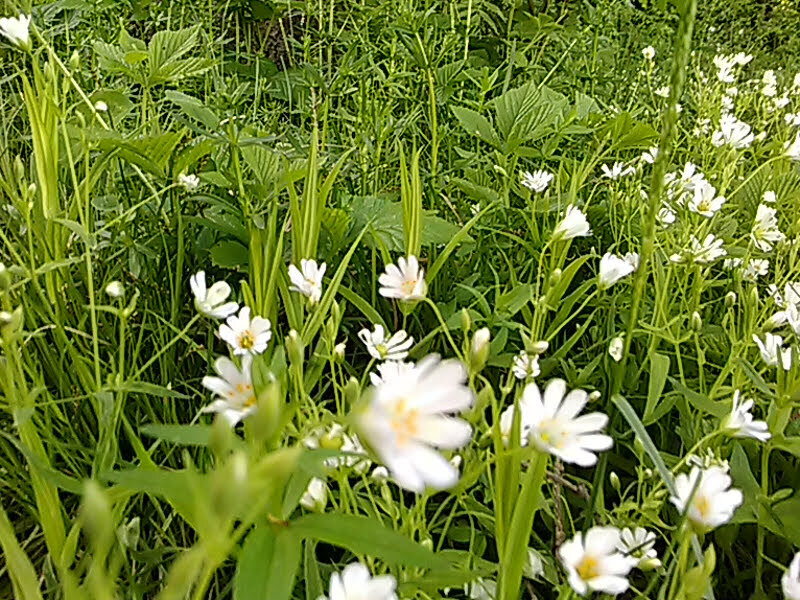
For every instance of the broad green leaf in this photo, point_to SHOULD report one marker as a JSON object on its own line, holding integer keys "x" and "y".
{"x": 362, "y": 535}
{"x": 230, "y": 254}
{"x": 193, "y": 108}
{"x": 476, "y": 124}
{"x": 267, "y": 565}
{"x": 700, "y": 401}
{"x": 659, "y": 368}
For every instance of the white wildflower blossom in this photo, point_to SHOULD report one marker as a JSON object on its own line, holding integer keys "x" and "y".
{"x": 538, "y": 181}
{"x": 594, "y": 563}
{"x": 356, "y": 583}
{"x": 617, "y": 170}
{"x": 612, "y": 269}
{"x": 212, "y": 301}
{"x": 307, "y": 280}
{"x": 405, "y": 282}
{"x": 649, "y": 52}
{"x": 638, "y": 543}
{"x": 574, "y": 224}
{"x": 17, "y": 30}
{"x": 732, "y": 132}
{"x": 384, "y": 347}
{"x": 236, "y": 397}
{"x": 790, "y": 581}
{"x": 705, "y": 495}
{"x": 525, "y": 366}
{"x": 615, "y": 348}
{"x": 740, "y": 424}
{"x": 704, "y": 200}
{"x": 245, "y": 335}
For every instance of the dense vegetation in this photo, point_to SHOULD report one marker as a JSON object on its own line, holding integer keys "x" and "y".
{"x": 582, "y": 207}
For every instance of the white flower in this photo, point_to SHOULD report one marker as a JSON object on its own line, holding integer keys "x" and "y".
{"x": 574, "y": 224}
{"x": 356, "y": 583}
{"x": 555, "y": 426}
{"x": 790, "y": 582}
{"x": 741, "y": 58}
{"x": 594, "y": 564}
{"x": 708, "y": 251}
{"x": 115, "y": 289}
{"x": 662, "y": 92}
{"x": 617, "y": 170}
{"x": 382, "y": 348}
{"x": 390, "y": 370}
{"x": 534, "y": 566}
{"x": 316, "y": 495}
{"x": 704, "y": 200}
{"x": 349, "y": 444}
{"x": 100, "y": 106}
{"x": 16, "y": 30}
{"x": 705, "y": 497}
{"x": 756, "y": 267}
{"x": 727, "y": 103}
{"x": 680, "y": 186}
{"x": 649, "y": 52}
{"x": 407, "y": 416}
{"x": 212, "y": 301}
{"x": 772, "y": 352}
{"x": 482, "y": 589}
{"x": 793, "y": 150}
{"x": 405, "y": 282}
{"x": 632, "y": 258}
{"x": 189, "y": 182}
{"x": 792, "y": 119}
{"x": 525, "y": 366}
{"x": 730, "y": 264}
{"x": 234, "y": 389}
{"x": 725, "y": 66}
{"x": 538, "y": 181}
{"x": 637, "y": 543}
{"x": 612, "y": 269}
{"x": 740, "y": 424}
{"x": 380, "y": 473}
{"x": 733, "y": 132}
{"x": 770, "y": 82}
{"x": 615, "y": 347}
{"x": 246, "y": 336}
{"x": 769, "y": 197}
{"x": 307, "y": 280}
{"x": 665, "y": 216}
{"x": 782, "y": 102}
{"x": 765, "y": 232}
{"x": 649, "y": 156}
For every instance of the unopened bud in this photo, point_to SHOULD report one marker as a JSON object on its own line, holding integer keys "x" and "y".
{"x": 697, "y": 321}
{"x": 315, "y": 497}
{"x": 466, "y": 320}
{"x": 100, "y": 106}
{"x": 19, "y": 169}
{"x": 594, "y": 396}
{"x": 648, "y": 472}
{"x": 426, "y": 543}
{"x": 479, "y": 349}
{"x": 5, "y": 277}
{"x": 338, "y": 352}
{"x": 649, "y": 564}
{"x": 539, "y": 347}
{"x": 614, "y": 479}
{"x": 352, "y": 391}
{"x": 380, "y": 474}
{"x": 294, "y": 347}
{"x": 115, "y": 289}
{"x": 31, "y": 190}
{"x": 75, "y": 60}
{"x": 730, "y": 299}
{"x": 555, "y": 277}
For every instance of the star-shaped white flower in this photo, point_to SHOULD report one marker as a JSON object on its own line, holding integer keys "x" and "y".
{"x": 245, "y": 335}
{"x": 594, "y": 564}
{"x": 307, "y": 280}
{"x": 406, "y": 418}
{"x": 17, "y": 30}
{"x": 706, "y": 498}
{"x": 574, "y": 224}
{"x": 212, "y": 301}
{"x": 739, "y": 423}
{"x": 405, "y": 281}
{"x": 538, "y": 181}
{"x": 638, "y": 543}
{"x": 236, "y": 397}
{"x": 356, "y": 583}
{"x": 765, "y": 233}
{"x": 612, "y": 269}
{"x": 525, "y": 366}
{"x": 383, "y": 347}
{"x": 704, "y": 200}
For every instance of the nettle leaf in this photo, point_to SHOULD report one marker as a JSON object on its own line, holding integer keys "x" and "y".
{"x": 193, "y": 108}
{"x": 436, "y": 230}
{"x": 476, "y": 124}
{"x": 528, "y": 113}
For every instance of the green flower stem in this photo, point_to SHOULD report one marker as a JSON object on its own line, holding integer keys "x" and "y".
{"x": 516, "y": 545}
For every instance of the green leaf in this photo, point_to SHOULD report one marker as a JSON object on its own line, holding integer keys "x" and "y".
{"x": 700, "y": 401}
{"x": 267, "y": 565}
{"x": 313, "y": 581}
{"x": 511, "y": 302}
{"x": 19, "y": 568}
{"x": 476, "y": 124}
{"x": 659, "y": 368}
{"x": 362, "y": 535}
{"x": 436, "y": 230}
{"x": 151, "y": 389}
{"x": 188, "y": 435}
{"x": 193, "y": 108}
{"x": 229, "y": 254}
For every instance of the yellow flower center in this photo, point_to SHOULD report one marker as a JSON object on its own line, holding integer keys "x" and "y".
{"x": 702, "y": 505}
{"x": 404, "y": 422}
{"x": 588, "y": 568}
{"x": 246, "y": 340}
{"x": 408, "y": 286}
{"x": 704, "y": 206}
{"x": 244, "y": 389}
{"x": 552, "y": 434}
{"x": 382, "y": 350}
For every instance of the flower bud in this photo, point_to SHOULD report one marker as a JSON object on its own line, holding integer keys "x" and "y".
{"x": 479, "y": 349}
{"x": 697, "y": 321}
{"x": 315, "y": 497}
{"x": 614, "y": 479}
{"x": 649, "y": 564}
{"x": 539, "y": 347}
{"x": 352, "y": 391}
{"x": 294, "y": 347}
{"x": 115, "y": 289}
{"x": 594, "y": 396}
{"x": 5, "y": 277}
{"x": 466, "y": 320}
{"x": 426, "y": 543}
{"x": 19, "y": 169}
{"x": 380, "y": 473}
{"x": 100, "y": 106}
{"x": 730, "y": 299}
{"x": 555, "y": 277}
{"x": 338, "y": 352}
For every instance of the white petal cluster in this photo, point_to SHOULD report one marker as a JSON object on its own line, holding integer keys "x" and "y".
{"x": 772, "y": 351}
{"x": 706, "y": 497}
{"x": 770, "y": 87}
{"x": 704, "y": 200}
{"x": 17, "y": 30}
{"x": 792, "y": 150}
{"x": 236, "y": 397}
{"x": 525, "y": 366}
{"x": 765, "y": 233}
{"x": 790, "y": 582}
{"x": 245, "y": 335}
{"x": 212, "y": 301}
{"x": 680, "y": 185}
{"x": 316, "y": 495}
{"x": 638, "y": 543}
{"x": 356, "y": 583}
{"x": 649, "y": 53}
{"x": 740, "y": 424}
{"x": 755, "y": 268}
{"x": 551, "y": 423}
{"x": 702, "y": 253}
{"x": 405, "y": 282}
{"x": 307, "y": 280}
{"x": 538, "y": 181}
{"x": 383, "y": 347}
{"x": 612, "y": 269}
{"x": 617, "y": 170}
{"x": 407, "y": 417}
{"x": 574, "y": 224}
{"x": 594, "y": 563}
{"x": 732, "y": 132}
{"x": 189, "y": 182}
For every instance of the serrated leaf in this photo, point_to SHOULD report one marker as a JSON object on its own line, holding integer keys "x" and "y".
{"x": 476, "y": 124}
